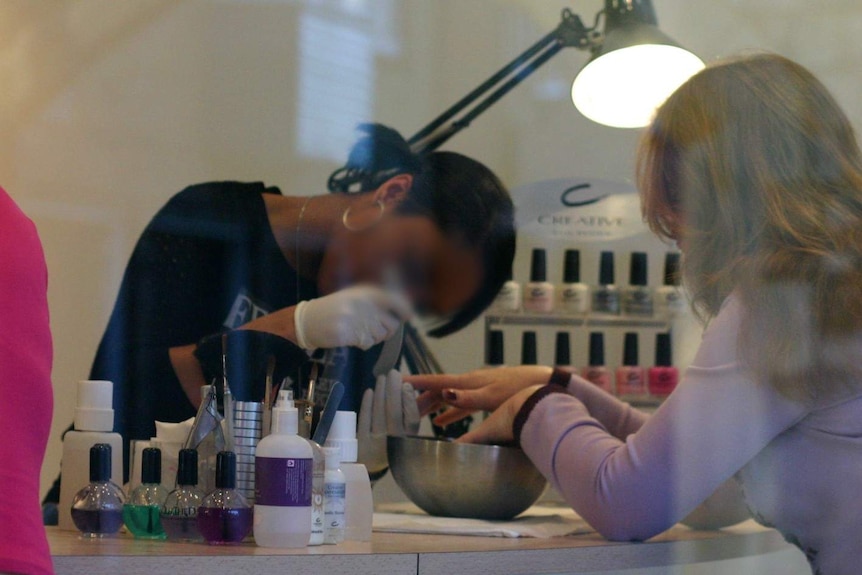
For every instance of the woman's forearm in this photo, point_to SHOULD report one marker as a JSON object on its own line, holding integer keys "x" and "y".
{"x": 188, "y": 370}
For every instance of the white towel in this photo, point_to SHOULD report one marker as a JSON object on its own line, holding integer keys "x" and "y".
{"x": 537, "y": 521}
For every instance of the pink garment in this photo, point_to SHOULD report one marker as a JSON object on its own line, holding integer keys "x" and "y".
{"x": 26, "y": 399}
{"x": 632, "y": 476}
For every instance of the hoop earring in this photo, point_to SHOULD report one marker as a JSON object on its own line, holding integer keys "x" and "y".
{"x": 345, "y": 218}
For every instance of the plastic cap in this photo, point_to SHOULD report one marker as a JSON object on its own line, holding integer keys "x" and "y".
{"x": 332, "y": 456}
{"x": 94, "y": 411}
{"x": 285, "y": 398}
{"x": 671, "y": 269}
{"x": 100, "y": 462}
{"x": 563, "y": 349}
{"x": 630, "y": 349}
{"x": 638, "y": 269}
{"x": 572, "y": 267}
{"x": 663, "y": 356}
{"x": 528, "y": 348}
{"x": 151, "y": 465}
{"x": 342, "y": 434}
{"x": 494, "y": 353}
{"x": 285, "y": 419}
{"x": 606, "y": 269}
{"x": 597, "y": 348}
{"x": 226, "y": 470}
{"x": 538, "y": 266}
{"x": 187, "y": 467}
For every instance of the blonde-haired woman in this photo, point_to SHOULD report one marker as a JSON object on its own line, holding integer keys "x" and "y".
{"x": 755, "y": 171}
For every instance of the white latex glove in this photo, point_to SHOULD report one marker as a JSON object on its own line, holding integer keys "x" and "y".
{"x": 389, "y": 409}
{"x": 359, "y": 316}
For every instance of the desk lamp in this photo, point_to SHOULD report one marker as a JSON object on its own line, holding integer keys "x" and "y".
{"x": 632, "y": 69}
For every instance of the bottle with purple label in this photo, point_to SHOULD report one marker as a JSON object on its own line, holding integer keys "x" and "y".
{"x": 225, "y": 517}
{"x": 283, "y": 466}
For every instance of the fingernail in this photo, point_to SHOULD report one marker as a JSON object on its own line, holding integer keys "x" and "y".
{"x": 449, "y": 395}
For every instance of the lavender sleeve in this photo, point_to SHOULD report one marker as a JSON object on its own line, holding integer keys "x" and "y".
{"x": 632, "y": 486}
{"x": 618, "y": 417}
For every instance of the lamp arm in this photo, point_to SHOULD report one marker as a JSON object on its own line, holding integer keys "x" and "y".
{"x": 436, "y": 139}
{"x": 570, "y": 32}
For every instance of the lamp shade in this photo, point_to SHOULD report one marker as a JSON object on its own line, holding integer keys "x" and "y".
{"x": 632, "y": 72}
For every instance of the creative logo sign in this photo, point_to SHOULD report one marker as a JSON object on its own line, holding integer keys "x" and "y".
{"x": 580, "y": 209}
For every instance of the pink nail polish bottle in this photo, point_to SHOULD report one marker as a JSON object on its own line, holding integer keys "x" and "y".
{"x": 631, "y": 377}
{"x": 596, "y": 372}
{"x": 663, "y": 377}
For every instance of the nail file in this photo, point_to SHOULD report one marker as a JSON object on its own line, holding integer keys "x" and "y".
{"x": 328, "y": 414}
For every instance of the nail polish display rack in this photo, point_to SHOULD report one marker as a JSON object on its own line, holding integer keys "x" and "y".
{"x": 546, "y": 326}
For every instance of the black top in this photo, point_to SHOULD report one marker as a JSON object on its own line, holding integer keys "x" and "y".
{"x": 187, "y": 467}
{"x": 206, "y": 263}
{"x": 606, "y": 269}
{"x": 563, "y": 349}
{"x": 538, "y": 266}
{"x": 494, "y": 352}
{"x": 597, "y": 348}
{"x": 663, "y": 355}
{"x": 225, "y": 470}
{"x": 151, "y": 465}
{"x": 638, "y": 269}
{"x": 528, "y": 348}
{"x": 572, "y": 267}
{"x": 100, "y": 462}
{"x": 630, "y": 349}
{"x": 671, "y": 269}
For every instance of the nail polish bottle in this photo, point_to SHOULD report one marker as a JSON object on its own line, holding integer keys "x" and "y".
{"x": 97, "y": 509}
{"x": 670, "y": 301}
{"x": 528, "y": 348}
{"x": 225, "y": 517}
{"x": 631, "y": 377}
{"x": 335, "y": 489}
{"x": 663, "y": 377}
{"x": 142, "y": 512}
{"x": 574, "y": 295}
{"x": 596, "y": 372}
{"x": 606, "y": 296}
{"x": 494, "y": 351}
{"x": 538, "y": 294}
{"x": 563, "y": 350}
{"x": 94, "y": 422}
{"x": 179, "y": 513}
{"x": 637, "y": 297}
{"x": 508, "y": 299}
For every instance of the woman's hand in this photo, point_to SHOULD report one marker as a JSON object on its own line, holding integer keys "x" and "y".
{"x": 483, "y": 389}
{"x": 497, "y": 427}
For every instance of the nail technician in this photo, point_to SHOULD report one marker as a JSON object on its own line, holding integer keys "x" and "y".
{"x": 755, "y": 171}
{"x": 26, "y": 398}
{"x": 228, "y": 256}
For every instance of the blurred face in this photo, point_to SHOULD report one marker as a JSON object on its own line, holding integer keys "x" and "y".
{"x": 438, "y": 273}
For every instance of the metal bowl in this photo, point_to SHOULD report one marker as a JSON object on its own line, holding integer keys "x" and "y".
{"x": 462, "y": 479}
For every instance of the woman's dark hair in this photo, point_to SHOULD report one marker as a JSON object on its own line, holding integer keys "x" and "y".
{"x": 460, "y": 195}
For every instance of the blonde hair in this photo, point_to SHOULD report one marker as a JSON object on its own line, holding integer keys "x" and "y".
{"x": 755, "y": 168}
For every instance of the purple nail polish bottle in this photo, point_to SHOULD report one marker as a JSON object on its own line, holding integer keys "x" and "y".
{"x": 225, "y": 517}
{"x": 97, "y": 509}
